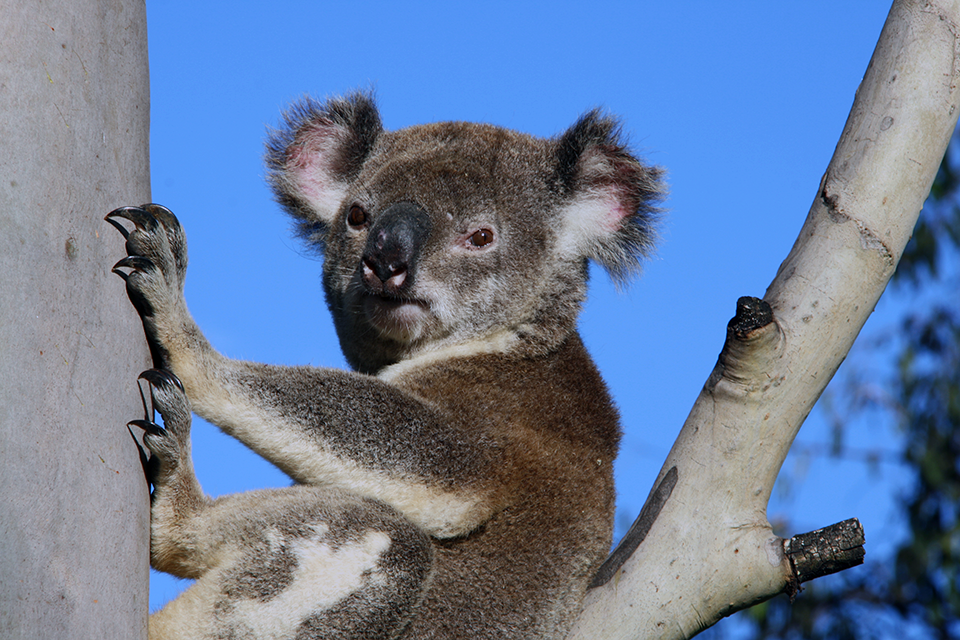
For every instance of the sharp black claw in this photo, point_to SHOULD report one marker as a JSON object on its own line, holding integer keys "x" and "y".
{"x": 150, "y": 427}
{"x": 119, "y": 227}
{"x": 156, "y": 377}
{"x": 135, "y": 262}
{"x": 137, "y": 216}
{"x": 161, "y": 213}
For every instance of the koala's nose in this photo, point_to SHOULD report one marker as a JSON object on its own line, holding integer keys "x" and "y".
{"x": 393, "y": 247}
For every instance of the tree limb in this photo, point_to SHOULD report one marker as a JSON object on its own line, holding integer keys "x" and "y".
{"x": 74, "y": 143}
{"x": 824, "y": 551}
{"x": 711, "y": 551}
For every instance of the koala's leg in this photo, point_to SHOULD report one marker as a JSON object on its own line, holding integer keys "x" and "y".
{"x": 296, "y": 562}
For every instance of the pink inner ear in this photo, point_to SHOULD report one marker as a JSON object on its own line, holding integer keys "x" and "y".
{"x": 309, "y": 165}
{"x": 613, "y": 210}
{"x": 611, "y": 180}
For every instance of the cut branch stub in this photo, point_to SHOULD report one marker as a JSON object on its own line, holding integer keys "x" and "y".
{"x": 752, "y": 346}
{"x": 752, "y": 313}
{"x": 824, "y": 551}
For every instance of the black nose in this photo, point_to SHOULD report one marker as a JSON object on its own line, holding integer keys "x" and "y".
{"x": 393, "y": 247}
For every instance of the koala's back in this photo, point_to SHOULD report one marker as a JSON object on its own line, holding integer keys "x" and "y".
{"x": 555, "y": 431}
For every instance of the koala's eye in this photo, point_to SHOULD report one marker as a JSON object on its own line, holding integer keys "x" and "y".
{"x": 356, "y": 217}
{"x": 481, "y": 237}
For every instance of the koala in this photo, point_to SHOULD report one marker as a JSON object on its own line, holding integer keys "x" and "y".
{"x": 458, "y": 482}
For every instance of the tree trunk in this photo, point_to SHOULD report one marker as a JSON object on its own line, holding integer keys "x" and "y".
{"x": 74, "y": 507}
{"x": 710, "y": 551}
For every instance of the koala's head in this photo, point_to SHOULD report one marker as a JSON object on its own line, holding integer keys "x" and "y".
{"x": 455, "y": 233}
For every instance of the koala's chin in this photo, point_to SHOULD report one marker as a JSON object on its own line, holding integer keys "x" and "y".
{"x": 404, "y": 321}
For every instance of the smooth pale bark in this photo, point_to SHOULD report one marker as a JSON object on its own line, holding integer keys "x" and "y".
{"x": 74, "y": 505}
{"x": 712, "y": 551}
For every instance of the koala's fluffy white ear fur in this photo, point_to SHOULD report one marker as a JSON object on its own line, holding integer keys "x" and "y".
{"x": 611, "y": 209}
{"x": 318, "y": 153}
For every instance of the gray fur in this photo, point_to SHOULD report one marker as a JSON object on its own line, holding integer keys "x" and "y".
{"x": 464, "y": 471}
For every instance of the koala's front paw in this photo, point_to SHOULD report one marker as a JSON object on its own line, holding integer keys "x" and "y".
{"x": 170, "y": 444}
{"x": 157, "y": 262}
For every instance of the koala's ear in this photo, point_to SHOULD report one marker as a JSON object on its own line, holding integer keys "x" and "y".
{"x": 611, "y": 196}
{"x": 317, "y": 152}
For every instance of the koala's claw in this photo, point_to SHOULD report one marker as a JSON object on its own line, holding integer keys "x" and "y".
{"x": 151, "y": 221}
{"x": 140, "y": 300}
{"x": 148, "y": 426}
{"x": 147, "y": 216}
{"x": 170, "y": 400}
{"x": 161, "y": 377}
{"x": 133, "y": 262}
{"x": 119, "y": 227}
{"x": 142, "y": 219}
{"x": 171, "y": 442}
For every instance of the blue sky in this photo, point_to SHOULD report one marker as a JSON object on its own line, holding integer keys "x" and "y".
{"x": 742, "y": 103}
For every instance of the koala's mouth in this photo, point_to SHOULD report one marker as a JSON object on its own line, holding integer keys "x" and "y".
{"x": 401, "y": 319}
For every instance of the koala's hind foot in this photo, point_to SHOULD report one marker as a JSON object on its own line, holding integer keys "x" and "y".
{"x": 302, "y": 561}
{"x": 176, "y": 491}
{"x": 170, "y": 446}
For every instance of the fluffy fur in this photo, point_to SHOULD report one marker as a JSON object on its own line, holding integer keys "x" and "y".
{"x": 458, "y": 483}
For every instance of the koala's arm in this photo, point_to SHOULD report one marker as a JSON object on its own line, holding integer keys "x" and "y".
{"x": 333, "y": 427}
{"x": 320, "y": 426}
